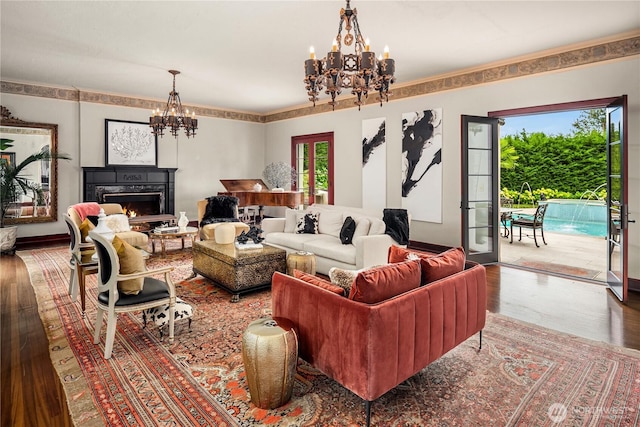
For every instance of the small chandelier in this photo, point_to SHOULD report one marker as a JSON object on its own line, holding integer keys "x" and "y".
{"x": 360, "y": 71}
{"x": 173, "y": 115}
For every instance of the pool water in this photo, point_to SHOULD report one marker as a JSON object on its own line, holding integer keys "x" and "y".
{"x": 582, "y": 217}
{"x": 598, "y": 229}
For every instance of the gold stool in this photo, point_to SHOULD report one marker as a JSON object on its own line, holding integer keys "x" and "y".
{"x": 270, "y": 356}
{"x": 303, "y": 261}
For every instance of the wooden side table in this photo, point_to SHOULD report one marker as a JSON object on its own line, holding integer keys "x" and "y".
{"x": 301, "y": 260}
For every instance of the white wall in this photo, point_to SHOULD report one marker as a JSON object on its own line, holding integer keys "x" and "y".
{"x": 599, "y": 81}
{"x": 233, "y": 149}
{"x": 222, "y": 149}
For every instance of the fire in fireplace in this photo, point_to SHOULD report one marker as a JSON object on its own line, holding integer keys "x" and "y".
{"x": 137, "y": 204}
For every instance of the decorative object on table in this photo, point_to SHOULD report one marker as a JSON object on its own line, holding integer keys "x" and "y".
{"x": 360, "y": 71}
{"x": 129, "y": 143}
{"x": 270, "y": 356}
{"x": 301, "y": 260}
{"x": 422, "y": 164}
{"x": 166, "y": 229}
{"x": 279, "y": 175}
{"x": 174, "y": 115}
{"x": 257, "y": 187}
{"x": 160, "y": 315}
{"x": 102, "y": 227}
{"x": 253, "y": 234}
{"x": 225, "y": 233}
{"x": 183, "y": 221}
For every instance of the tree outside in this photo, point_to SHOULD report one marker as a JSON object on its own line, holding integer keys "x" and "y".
{"x": 557, "y": 165}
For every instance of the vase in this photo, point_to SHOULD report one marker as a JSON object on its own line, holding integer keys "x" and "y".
{"x": 183, "y": 221}
{"x": 257, "y": 187}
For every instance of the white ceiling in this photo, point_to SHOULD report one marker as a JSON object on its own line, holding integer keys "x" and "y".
{"x": 249, "y": 55}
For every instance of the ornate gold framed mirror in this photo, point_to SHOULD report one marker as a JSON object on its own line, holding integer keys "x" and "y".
{"x": 21, "y": 139}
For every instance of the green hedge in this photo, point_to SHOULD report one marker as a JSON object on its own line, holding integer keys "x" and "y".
{"x": 558, "y": 166}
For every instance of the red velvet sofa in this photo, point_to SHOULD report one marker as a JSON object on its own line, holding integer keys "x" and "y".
{"x": 371, "y": 348}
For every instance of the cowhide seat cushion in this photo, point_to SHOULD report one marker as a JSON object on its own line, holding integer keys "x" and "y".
{"x": 160, "y": 315}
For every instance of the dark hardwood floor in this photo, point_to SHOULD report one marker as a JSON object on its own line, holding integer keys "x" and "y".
{"x": 32, "y": 394}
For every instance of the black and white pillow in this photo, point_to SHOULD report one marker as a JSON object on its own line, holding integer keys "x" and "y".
{"x": 308, "y": 224}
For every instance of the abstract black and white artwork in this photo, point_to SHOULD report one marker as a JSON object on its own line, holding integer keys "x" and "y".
{"x": 422, "y": 164}
{"x": 374, "y": 167}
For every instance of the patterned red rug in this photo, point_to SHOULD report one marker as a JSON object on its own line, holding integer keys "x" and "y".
{"x": 524, "y": 375}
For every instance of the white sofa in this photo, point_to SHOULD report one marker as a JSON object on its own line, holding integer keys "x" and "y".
{"x": 369, "y": 247}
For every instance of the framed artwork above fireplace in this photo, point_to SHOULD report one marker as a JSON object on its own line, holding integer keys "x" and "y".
{"x": 129, "y": 144}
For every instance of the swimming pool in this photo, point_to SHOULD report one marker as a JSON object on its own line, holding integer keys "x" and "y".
{"x": 571, "y": 216}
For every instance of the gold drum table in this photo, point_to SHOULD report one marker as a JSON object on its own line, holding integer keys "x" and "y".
{"x": 270, "y": 357}
{"x": 301, "y": 260}
{"x": 237, "y": 270}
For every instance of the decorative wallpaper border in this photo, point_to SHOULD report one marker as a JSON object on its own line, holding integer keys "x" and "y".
{"x": 576, "y": 57}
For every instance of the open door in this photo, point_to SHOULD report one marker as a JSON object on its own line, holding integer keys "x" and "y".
{"x": 480, "y": 193}
{"x": 617, "y": 198}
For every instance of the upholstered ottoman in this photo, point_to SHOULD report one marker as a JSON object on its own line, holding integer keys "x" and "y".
{"x": 237, "y": 270}
{"x": 270, "y": 357}
{"x": 160, "y": 315}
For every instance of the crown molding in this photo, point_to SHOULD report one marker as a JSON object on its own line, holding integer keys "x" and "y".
{"x": 623, "y": 46}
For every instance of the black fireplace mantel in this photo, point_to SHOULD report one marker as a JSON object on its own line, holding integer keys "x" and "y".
{"x": 134, "y": 178}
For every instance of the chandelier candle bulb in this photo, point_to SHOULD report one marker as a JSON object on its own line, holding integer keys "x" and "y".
{"x": 367, "y": 46}
{"x": 312, "y": 53}
{"x": 386, "y": 52}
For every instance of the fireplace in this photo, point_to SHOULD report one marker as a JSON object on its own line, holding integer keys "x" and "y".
{"x": 145, "y": 191}
{"x": 137, "y": 204}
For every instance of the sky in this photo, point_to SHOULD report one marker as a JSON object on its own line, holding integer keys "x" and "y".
{"x": 549, "y": 123}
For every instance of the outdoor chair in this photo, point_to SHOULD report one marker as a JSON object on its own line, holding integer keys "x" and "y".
{"x": 154, "y": 291}
{"x": 534, "y": 222}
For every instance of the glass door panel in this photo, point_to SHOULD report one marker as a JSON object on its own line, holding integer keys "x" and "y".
{"x": 312, "y": 158}
{"x": 617, "y": 221}
{"x": 479, "y": 202}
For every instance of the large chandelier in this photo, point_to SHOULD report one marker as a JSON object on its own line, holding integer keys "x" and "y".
{"x": 360, "y": 71}
{"x": 173, "y": 116}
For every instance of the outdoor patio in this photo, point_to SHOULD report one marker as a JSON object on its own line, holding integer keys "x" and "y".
{"x": 568, "y": 254}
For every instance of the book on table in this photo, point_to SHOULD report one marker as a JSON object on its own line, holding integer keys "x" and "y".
{"x": 248, "y": 245}
{"x": 166, "y": 230}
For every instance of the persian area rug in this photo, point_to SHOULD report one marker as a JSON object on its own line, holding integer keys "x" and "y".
{"x": 523, "y": 376}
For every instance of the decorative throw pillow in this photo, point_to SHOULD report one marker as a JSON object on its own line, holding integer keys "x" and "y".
{"x": 317, "y": 281}
{"x": 93, "y": 219}
{"x": 362, "y": 227}
{"x": 347, "y": 231}
{"x": 377, "y": 227}
{"x": 343, "y": 278}
{"x": 85, "y": 228}
{"x": 434, "y": 266}
{"x": 291, "y": 220}
{"x": 400, "y": 254}
{"x": 384, "y": 282}
{"x": 118, "y": 223}
{"x": 442, "y": 265}
{"x": 308, "y": 224}
{"x": 131, "y": 261}
{"x": 330, "y": 223}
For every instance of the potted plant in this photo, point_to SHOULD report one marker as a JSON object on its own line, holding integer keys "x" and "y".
{"x": 13, "y": 185}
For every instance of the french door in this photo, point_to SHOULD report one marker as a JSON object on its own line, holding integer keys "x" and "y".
{"x": 617, "y": 198}
{"x": 312, "y": 158}
{"x": 480, "y": 193}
